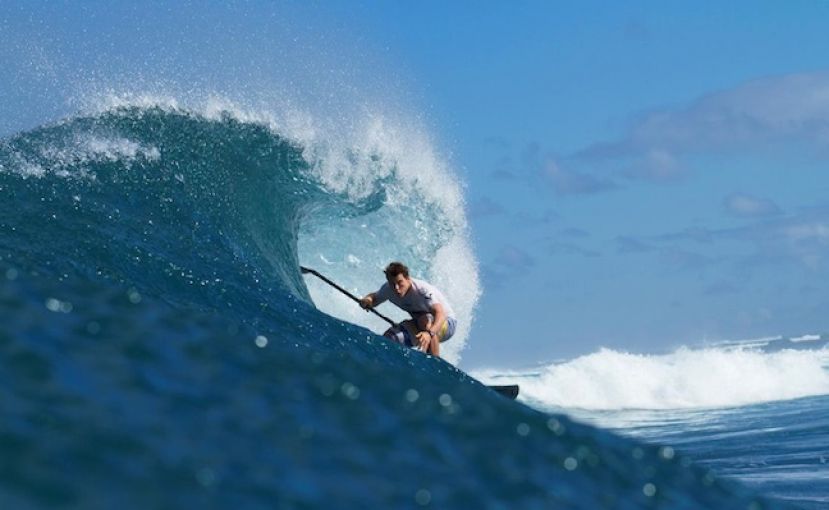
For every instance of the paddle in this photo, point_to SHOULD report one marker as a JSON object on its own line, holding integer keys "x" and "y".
{"x": 306, "y": 270}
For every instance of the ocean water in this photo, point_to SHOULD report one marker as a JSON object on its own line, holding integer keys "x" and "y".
{"x": 160, "y": 348}
{"x": 755, "y": 411}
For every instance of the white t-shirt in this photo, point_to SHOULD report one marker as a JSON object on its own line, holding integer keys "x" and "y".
{"x": 419, "y": 299}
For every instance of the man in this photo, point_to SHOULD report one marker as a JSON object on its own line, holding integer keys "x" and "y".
{"x": 433, "y": 320}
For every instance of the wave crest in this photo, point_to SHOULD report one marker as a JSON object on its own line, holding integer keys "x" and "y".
{"x": 686, "y": 378}
{"x": 195, "y": 204}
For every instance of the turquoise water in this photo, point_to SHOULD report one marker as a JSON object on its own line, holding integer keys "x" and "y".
{"x": 160, "y": 348}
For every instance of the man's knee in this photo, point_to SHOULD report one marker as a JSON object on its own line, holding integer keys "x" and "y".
{"x": 424, "y": 322}
{"x": 399, "y": 335}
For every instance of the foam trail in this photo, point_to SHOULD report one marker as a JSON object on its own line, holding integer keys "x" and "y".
{"x": 684, "y": 379}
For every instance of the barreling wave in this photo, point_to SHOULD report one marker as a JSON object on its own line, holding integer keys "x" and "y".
{"x": 717, "y": 376}
{"x": 160, "y": 347}
{"x": 195, "y": 196}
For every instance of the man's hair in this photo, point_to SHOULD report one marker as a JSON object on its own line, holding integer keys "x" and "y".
{"x": 396, "y": 268}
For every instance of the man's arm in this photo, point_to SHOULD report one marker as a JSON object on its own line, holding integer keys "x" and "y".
{"x": 376, "y": 298}
{"x": 428, "y": 339}
{"x": 440, "y": 315}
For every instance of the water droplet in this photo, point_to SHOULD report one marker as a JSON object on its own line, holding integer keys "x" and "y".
{"x": 11, "y": 274}
{"x": 666, "y": 452}
{"x": 206, "y": 477}
{"x": 570, "y": 464}
{"x": 708, "y": 479}
{"x": 350, "y": 391}
{"x": 523, "y": 429}
{"x": 412, "y": 395}
{"x": 556, "y": 426}
{"x": 327, "y": 385}
{"x": 53, "y": 305}
{"x": 261, "y": 341}
{"x": 649, "y": 490}
{"x": 133, "y": 296}
{"x": 445, "y": 400}
{"x": 423, "y": 497}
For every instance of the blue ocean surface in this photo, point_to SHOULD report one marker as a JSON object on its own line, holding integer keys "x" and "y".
{"x": 755, "y": 411}
{"x": 160, "y": 349}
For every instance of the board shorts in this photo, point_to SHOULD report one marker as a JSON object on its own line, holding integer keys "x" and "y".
{"x": 401, "y": 335}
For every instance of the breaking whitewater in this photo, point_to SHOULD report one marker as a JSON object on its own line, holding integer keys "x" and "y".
{"x": 161, "y": 349}
{"x": 756, "y": 411}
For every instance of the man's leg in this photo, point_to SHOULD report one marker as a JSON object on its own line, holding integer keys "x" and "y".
{"x": 404, "y": 333}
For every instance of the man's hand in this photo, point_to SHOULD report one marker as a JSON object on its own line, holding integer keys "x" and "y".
{"x": 367, "y": 302}
{"x": 423, "y": 338}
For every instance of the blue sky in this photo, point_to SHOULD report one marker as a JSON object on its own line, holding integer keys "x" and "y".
{"x": 639, "y": 175}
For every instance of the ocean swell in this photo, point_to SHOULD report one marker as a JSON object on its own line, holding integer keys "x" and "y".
{"x": 161, "y": 349}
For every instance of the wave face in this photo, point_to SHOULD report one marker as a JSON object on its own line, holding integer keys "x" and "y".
{"x": 731, "y": 375}
{"x": 161, "y": 349}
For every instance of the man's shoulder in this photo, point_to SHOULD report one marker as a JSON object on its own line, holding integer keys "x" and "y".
{"x": 421, "y": 284}
{"x": 425, "y": 288}
{"x": 384, "y": 291}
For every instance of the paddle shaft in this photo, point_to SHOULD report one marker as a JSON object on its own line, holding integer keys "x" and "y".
{"x": 306, "y": 270}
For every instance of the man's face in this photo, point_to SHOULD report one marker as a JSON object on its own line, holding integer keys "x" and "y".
{"x": 400, "y": 284}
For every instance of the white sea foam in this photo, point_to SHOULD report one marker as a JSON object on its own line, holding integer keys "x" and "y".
{"x": 67, "y": 158}
{"x": 90, "y": 148}
{"x": 806, "y": 338}
{"x": 355, "y": 156}
{"x": 684, "y": 379}
{"x": 26, "y": 168}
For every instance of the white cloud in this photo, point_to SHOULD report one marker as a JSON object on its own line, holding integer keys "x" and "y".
{"x": 741, "y": 204}
{"x": 485, "y": 207}
{"x": 571, "y": 182}
{"x": 809, "y": 242}
{"x": 772, "y": 108}
{"x": 801, "y": 238}
{"x": 792, "y": 107}
{"x": 808, "y": 232}
{"x": 656, "y": 165}
{"x": 514, "y": 258}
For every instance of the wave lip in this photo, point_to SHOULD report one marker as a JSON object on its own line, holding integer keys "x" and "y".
{"x": 685, "y": 379}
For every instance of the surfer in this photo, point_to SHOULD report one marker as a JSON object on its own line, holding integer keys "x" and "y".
{"x": 433, "y": 320}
